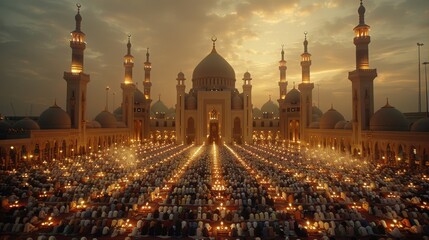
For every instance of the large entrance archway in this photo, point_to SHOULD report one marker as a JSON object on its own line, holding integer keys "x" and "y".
{"x": 213, "y": 135}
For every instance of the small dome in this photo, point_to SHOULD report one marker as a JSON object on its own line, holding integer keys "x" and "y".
{"x": 315, "y": 118}
{"x": 237, "y": 102}
{"x": 257, "y": 113}
{"x": 421, "y": 125}
{"x": 118, "y": 114}
{"x": 340, "y": 124}
{"x": 293, "y": 97}
{"x": 171, "y": 112}
{"x": 330, "y": 118}
{"x": 93, "y": 124}
{"x": 317, "y": 111}
{"x": 139, "y": 97}
{"x": 348, "y": 125}
{"x": 159, "y": 107}
{"x": 106, "y": 119}
{"x": 247, "y": 76}
{"x": 26, "y": 124}
{"x": 54, "y": 118}
{"x": 5, "y": 126}
{"x": 180, "y": 76}
{"x": 270, "y": 107}
{"x": 314, "y": 125}
{"x": 388, "y": 118}
{"x": 191, "y": 102}
{"x": 316, "y": 114}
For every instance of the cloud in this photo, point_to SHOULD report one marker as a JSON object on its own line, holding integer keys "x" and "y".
{"x": 35, "y": 49}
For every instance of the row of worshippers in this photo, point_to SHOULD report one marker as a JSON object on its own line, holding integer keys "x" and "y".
{"x": 65, "y": 187}
{"x": 325, "y": 208}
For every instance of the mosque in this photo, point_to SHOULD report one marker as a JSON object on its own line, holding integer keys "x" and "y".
{"x": 213, "y": 110}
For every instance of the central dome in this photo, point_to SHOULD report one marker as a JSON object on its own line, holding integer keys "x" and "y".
{"x": 213, "y": 73}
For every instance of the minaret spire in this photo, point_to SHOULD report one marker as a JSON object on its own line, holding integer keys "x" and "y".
{"x": 147, "y": 54}
{"x": 361, "y": 12}
{"x": 283, "y": 53}
{"x": 305, "y": 42}
{"x": 129, "y": 45}
{"x": 128, "y": 63}
{"x": 78, "y": 17}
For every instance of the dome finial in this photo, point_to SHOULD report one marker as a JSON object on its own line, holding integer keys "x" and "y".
{"x": 332, "y": 106}
{"x": 387, "y": 102}
{"x": 159, "y": 97}
{"x": 214, "y": 39}
{"x": 269, "y": 97}
{"x": 78, "y": 7}
{"x": 305, "y": 42}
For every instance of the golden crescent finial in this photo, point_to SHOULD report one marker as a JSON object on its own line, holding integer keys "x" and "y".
{"x": 78, "y": 6}
{"x": 214, "y": 38}
{"x": 129, "y": 35}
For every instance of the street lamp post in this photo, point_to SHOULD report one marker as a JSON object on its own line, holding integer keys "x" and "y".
{"x": 426, "y": 84}
{"x": 420, "y": 97}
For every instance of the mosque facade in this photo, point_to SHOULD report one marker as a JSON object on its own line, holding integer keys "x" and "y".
{"x": 213, "y": 110}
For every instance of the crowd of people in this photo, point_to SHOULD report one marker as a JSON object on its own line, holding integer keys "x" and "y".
{"x": 209, "y": 191}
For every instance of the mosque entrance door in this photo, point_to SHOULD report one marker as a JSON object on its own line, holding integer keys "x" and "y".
{"x": 213, "y": 135}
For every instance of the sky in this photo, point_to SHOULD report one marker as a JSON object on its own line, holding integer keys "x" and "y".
{"x": 34, "y": 48}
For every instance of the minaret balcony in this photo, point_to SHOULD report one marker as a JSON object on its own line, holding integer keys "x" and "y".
{"x": 362, "y": 40}
{"x": 78, "y": 45}
{"x": 363, "y": 74}
{"x": 76, "y": 76}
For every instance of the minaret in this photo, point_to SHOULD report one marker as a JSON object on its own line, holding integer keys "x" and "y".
{"x": 283, "y": 91}
{"x": 282, "y": 82}
{"x": 77, "y": 80}
{"x": 146, "y": 83}
{"x": 306, "y": 88}
{"x": 146, "y": 91}
{"x": 128, "y": 89}
{"x": 180, "y": 108}
{"x": 362, "y": 82}
{"x": 247, "y": 108}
